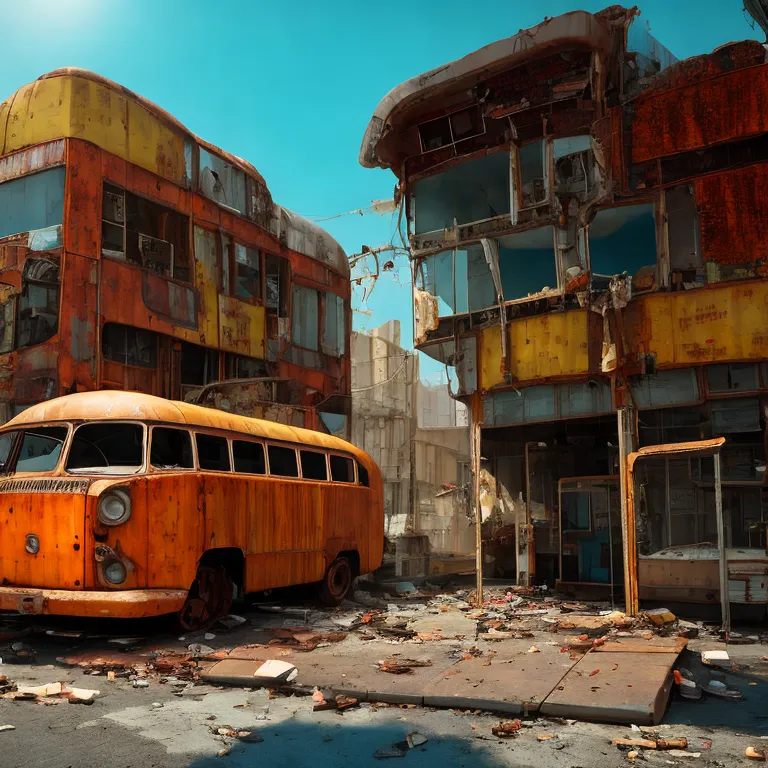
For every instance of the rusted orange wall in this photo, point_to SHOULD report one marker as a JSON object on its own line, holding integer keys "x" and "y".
{"x": 733, "y": 215}
{"x": 729, "y": 107}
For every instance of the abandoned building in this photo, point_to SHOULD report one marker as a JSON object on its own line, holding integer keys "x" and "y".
{"x": 419, "y": 437}
{"x": 587, "y": 239}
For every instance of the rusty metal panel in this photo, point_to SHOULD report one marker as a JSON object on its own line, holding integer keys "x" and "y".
{"x": 733, "y": 215}
{"x": 718, "y": 323}
{"x": 707, "y": 112}
{"x": 173, "y": 301}
{"x": 58, "y": 519}
{"x": 31, "y": 160}
{"x": 207, "y": 281}
{"x": 82, "y": 210}
{"x": 540, "y": 347}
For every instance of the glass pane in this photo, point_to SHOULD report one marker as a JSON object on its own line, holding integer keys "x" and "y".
{"x": 532, "y": 178}
{"x": 576, "y": 511}
{"x": 276, "y": 285}
{"x": 362, "y": 474}
{"x": 342, "y": 469}
{"x": 476, "y": 190}
{"x": 111, "y": 448}
{"x": 171, "y": 449}
{"x": 40, "y": 449}
{"x": 7, "y": 317}
{"x": 212, "y": 453}
{"x": 739, "y": 377}
{"x": 305, "y": 317}
{"x": 527, "y": 263}
{"x": 622, "y": 240}
{"x": 39, "y": 302}
{"x": 247, "y": 274}
{"x": 6, "y": 443}
{"x": 482, "y": 293}
{"x": 32, "y": 202}
{"x": 221, "y": 181}
{"x": 282, "y": 461}
{"x": 313, "y": 465}
{"x": 249, "y": 457}
{"x": 334, "y": 330}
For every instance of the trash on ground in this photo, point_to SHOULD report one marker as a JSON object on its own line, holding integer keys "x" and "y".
{"x": 397, "y": 666}
{"x": 756, "y": 754}
{"x": 393, "y": 751}
{"x": 275, "y": 670}
{"x": 722, "y": 691}
{"x": 416, "y": 739}
{"x": 687, "y": 686}
{"x": 681, "y": 743}
{"x": 716, "y": 658}
{"x": 506, "y": 729}
{"x": 660, "y": 616}
{"x": 7, "y": 727}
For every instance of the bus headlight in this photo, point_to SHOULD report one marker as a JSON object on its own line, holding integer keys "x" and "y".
{"x": 114, "y": 507}
{"x": 32, "y": 544}
{"x": 115, "y": 572}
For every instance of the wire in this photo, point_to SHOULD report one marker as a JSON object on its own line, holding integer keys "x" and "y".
{"x": 386, "y": 381}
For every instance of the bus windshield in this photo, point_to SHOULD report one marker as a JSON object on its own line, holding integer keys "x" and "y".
{"x": 40, "y": 449}
{"x": 112, "y": 448}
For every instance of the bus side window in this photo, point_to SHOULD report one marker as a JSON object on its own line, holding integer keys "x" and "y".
{"x": 342, "y": 469}
{"x": 282, "y": 461}
{"x": 313, "y": 466}
{"x": 362, "y": 474}
{"x": 171, "y": 449}
{"x": 212, "y": 452}
{"x": 249, "y": 457}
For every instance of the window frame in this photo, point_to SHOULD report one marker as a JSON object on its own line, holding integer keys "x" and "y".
{"x": 227, "y": 440}
{"x": 290, "y": 446}
{"x": 320, "y": 316}
{"x": 14, "y": 454}
{"x": 346, "y": 457}
{"x": 145, "y": 446}
{"x": 133, "y": 328}
{"x": 322, "y": 452}
{"x": 192, "y": 443}
{"x": 263, "y": 445}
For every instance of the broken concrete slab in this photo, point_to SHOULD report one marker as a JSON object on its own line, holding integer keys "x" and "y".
{"x": 515, "y": 682}
{"x": 615, "y": 688}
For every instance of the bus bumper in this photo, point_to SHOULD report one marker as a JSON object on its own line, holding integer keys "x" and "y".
{"x": 127, "y": 604}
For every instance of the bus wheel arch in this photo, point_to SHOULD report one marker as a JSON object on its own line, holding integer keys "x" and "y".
{"x": 339, "y": 577}
{"x": 219, "y": 573}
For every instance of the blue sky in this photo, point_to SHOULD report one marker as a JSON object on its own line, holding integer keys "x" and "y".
{"x": 290, "y": 86}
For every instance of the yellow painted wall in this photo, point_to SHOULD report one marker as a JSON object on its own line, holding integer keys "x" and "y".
{"x": 241, "y": 327}
{"x": 543, "y": 346}
{"x": 725, "y": 322}
{"x": 71, "y": 106}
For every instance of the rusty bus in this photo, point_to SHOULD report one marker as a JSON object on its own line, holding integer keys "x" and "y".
{"x": 134, "y": 255}
{"x": 120, "y": 504}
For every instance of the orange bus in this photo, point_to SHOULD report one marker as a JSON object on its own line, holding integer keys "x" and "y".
{"x": 121, "y": 504}
{"x": 134, "y": 255}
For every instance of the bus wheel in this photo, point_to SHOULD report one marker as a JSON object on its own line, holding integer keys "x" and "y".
{"x": 336, "y": 582}
{"x": 209, "y": 598}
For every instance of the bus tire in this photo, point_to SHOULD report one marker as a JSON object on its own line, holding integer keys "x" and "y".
{"x": 337, "y": 582}
{"x": 209, "y": 598}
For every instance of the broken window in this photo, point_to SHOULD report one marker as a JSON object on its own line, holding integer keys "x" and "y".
{"x": 527, "y": 263}
{"x": 199, "y": 365}
{"x": 7, "y": 439}
{"x": 107, "y": 448}
{"x": 139, "y": 231}
{"x": 313, "y": 466}
{"x": 249, "y": 457}
{"x": 221, "y": 181}
{"x": 622, "y": 240}
{"x": 129, "y": 346}
{"x": 241, "y": 367}
{"x": 277, "y": 279}
{"x": 282, "y": 461}
{"x": 444, "y": 276}
{"x": 683, "y": 228}
{"x": 40, "y": 449}
{"x": 475, "y": 190}
{"x": 305, "y": 318}
{"x": 226, "y": 257}
{"x": 342, "y": 469}
{"x": 452, "y": 128}
{"x": 481, "y": 292}
{"x": 665, "y": 388}
{"x": 735, "y": 415}
{"x": 670, "y": 425}
{"x": 171, "y": 449}
{"x": 734, "y": 377}
{"x": 334, "y": 326}
{"x": 8, "y": 299}
{"x": 212, "y": 452}
{"x": 533, "y": 175}
{"x": 32, "y": 202}
{"x": 575, "y": 167}
{"x": 247, "y": 272}
{"x": 39, "y": 301}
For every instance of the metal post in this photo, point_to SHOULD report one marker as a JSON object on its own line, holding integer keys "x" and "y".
{"x": 610, "y": 547}
{"x": 725, "y": 605}
{"x": 475, "y": 446}
{"x": 625, "y": 448}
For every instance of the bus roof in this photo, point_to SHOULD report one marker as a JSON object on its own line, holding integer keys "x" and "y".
{"x": 119, "y": 405}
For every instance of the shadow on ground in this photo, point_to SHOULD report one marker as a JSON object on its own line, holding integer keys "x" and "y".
{"x": 297, "y": 744}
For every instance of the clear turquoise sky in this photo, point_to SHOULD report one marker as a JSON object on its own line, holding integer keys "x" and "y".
{"x": 290, "y": 86}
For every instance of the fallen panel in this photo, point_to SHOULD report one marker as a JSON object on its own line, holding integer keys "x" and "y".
{"x": 627, "y": 688}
